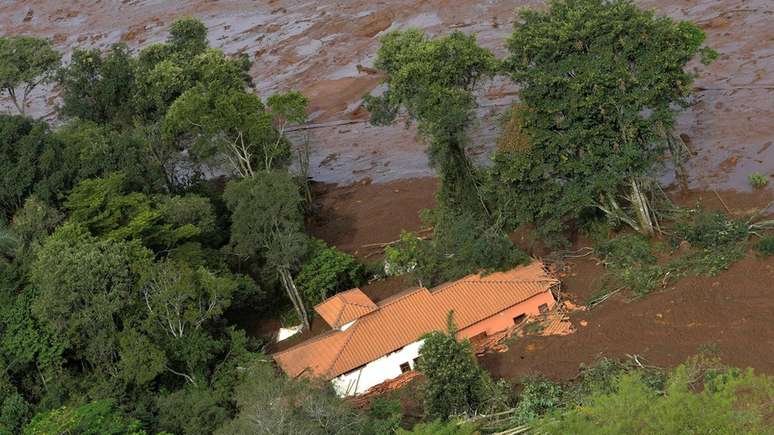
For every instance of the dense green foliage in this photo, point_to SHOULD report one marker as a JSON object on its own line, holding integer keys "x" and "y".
{"x": 600, "y": 82}
{"x": 439, "y": 427}
{"x": 25, "y": 63}
{"x": 766, "y": 246}
{"x": 30, "y": 162}
{"x": 461, "y": 245}
{"x": 433, "y": 80}
{"x": 711, "y": 231}
{"x": 706, "y": 244}
{"x": 272, "y": 405}
{"x": 731, "y": 401}
{"x": 96, "y": 418}
{"x": 116, "y": 272}
{"x": 327, "y": 272}
{"x": 455, "y": 384}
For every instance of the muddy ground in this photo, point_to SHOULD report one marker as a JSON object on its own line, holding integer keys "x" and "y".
{"x": 319, "y": 47}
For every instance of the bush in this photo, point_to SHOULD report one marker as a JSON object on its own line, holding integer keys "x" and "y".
{"x": 758, "y": 180}
{"x": 461, "y": 244}
{"x": 626, "y": 250}
{"x": 537, "y": 397}
{"x": 766, "y": 246}
{"x": 455, "y": 383}
{"x": 631, "y": 263}
{"x": 730, "y": 402}
{"x": 711, "y": 230}
{"x": 327, "y": 272}
{"x": 439, "y": 427}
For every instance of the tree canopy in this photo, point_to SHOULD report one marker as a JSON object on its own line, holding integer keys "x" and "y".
{"x": 25, "y": 63}
{"x": 600, "y": 85}
{"x": 433, "y": 80}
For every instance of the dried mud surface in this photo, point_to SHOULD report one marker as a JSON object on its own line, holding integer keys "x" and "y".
{"x": 729, "y": 314}
{"x": 325, "y": 48}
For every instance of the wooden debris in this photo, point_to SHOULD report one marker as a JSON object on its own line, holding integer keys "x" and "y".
{"x": 363, "y": 400}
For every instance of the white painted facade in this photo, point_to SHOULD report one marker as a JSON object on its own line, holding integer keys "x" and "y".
{"x": 377, "y": 371}
{"x": 285, "y": 333}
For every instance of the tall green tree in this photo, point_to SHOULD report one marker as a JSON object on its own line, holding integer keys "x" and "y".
{"x": 85, "y": 292}
{"x": 25, "y": 63}
{"x": 32, "y": 160}
{"x": 433, "y": 80}
{"x": 270, "y": 403}
{"x": 267, "y": 225}
{"x": 99, "y": 87}
{"x": 601, "y": 83}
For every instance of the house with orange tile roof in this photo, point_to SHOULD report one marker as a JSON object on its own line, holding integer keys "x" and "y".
{"x": 370, "y": 343}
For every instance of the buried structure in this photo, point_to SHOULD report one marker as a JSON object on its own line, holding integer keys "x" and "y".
{"x": 373, "y": 342}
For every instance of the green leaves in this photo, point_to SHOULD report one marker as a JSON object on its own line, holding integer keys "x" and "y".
{"x": 455, "y": 383}
{"x": 327, "y": 272}
{"x": 105, "y": 207}
{"x": 433, "y": 80}
{"x": 25, "y": 62}
{"x": 600, "y": 82}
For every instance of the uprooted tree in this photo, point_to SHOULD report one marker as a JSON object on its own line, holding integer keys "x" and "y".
{"x": 601, "y": 84}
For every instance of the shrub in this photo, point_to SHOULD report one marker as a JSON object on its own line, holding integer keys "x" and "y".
{"x": 758, "y": 180}
{"x": 711, "y": 230}
{"x": 731, "y": 402}
{"x": 455, "y": 383}
{"x": 538, "y": 396}
{"x": 766, "y": 246}
{"x": 439, "y": 427}
{"x": 327, "y": 272}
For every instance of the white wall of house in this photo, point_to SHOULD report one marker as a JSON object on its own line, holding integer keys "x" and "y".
{"x": 377, "y": 371}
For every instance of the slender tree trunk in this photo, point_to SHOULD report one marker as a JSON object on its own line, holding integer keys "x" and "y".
{"x": 641, "y": 208}
{"x": 295, "y": 297}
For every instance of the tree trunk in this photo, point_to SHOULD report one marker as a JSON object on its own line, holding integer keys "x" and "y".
{"x": 295, "y": 297}
{"x": 641, "y": 208}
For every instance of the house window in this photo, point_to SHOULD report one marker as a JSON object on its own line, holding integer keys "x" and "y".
{"x": 543, "y": 308}
{"x": 416, "y": 362}
{"x": 405, "y": 367}
{"x": 518, "y": 319}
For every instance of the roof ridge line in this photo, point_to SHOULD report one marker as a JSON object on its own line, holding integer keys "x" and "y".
{"x": 310, "y": 340}
{"x": 343, "y": 346}
{"x": 478, "y": 281}
{"x": 400, "y": 297}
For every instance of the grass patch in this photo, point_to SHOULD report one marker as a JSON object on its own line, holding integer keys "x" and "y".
{"x": 765, "y": 246}
{"x": 533, "y": 328}
{"x": 758, "y": 180}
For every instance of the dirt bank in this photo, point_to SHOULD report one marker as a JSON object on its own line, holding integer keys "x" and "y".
{"x": 359, "y": 217}
{"x": 729, "y": 313}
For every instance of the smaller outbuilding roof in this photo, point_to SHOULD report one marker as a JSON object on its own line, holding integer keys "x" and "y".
{"x": 344, "y": 307}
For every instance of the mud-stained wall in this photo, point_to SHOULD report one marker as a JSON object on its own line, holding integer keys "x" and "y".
{"x": 504, "y": 319}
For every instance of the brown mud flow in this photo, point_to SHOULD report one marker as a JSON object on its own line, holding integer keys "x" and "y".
{"x": 326, "y": 49}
